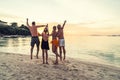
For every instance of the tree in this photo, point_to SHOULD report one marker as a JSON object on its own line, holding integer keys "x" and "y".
{"x": 14, "y": 24}
{"x": 13, "y": 30}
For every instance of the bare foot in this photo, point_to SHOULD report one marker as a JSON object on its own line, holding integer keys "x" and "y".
{"x": 43, "y": 62}
{"x": 56, "y": 63}
{"x": 47, "y": 63}
{"x": 37, "y": 56}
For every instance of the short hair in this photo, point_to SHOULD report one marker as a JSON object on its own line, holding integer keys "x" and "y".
{"x": 54, "y": 27}
{"x": 45, "y": 29}
{"x": 33, "y": 23}
{"x": 58, "y": 26}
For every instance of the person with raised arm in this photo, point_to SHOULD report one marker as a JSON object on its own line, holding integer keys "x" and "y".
{"x": 34, "y": 37}
{"x": 45, "y": 45}
{"x": 60, "y": 35}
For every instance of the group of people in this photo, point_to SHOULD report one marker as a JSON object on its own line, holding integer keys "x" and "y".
{"x": 57, "y": 41}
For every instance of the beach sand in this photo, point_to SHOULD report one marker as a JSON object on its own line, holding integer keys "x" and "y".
{"x": 20, "y": 67}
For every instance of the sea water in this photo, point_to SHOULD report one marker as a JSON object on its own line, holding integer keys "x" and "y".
{"x": 98, "y": 49}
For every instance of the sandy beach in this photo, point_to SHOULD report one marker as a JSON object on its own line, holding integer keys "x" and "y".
{"x": 20, "y": 67}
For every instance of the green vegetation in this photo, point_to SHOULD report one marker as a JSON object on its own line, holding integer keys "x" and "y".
{"x": 14, "y": 30}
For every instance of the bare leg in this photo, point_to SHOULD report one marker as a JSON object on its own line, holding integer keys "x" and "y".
{"x": 53, "y": 48}
{"x": 56, "y": 55}
{"x": 60, "y": 50}
{"x": 43, "y": 56}
{"x": 64, "y": 51}
{"x": 56, "y": 58}
{"x": 46, "y": 56}
{"x": 32, "y": 51}
{"x": 37, "y": 52}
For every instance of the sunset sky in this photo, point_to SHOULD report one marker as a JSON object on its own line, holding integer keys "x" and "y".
{"x": 89, "y": 13}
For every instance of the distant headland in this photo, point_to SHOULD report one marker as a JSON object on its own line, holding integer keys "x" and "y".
{"x": 13, "y": 29}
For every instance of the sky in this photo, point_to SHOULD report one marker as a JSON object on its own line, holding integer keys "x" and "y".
{"x": 89, "y": 13}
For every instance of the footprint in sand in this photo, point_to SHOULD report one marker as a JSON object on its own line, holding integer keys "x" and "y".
{"x": 38, "y": 78}
{"x": 90, "y": 69}
{"x": 13, "y": 75}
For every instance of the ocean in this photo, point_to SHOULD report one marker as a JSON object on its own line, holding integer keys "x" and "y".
{"x": 97, "y": 49}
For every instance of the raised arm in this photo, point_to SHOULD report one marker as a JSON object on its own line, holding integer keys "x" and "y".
{"x": 42, "y": 26}
{"x": 27, "y": 23}
{"x": 47, "y": 28}
{"x": 38, "y": 26}
{"x": 64, "y": 24}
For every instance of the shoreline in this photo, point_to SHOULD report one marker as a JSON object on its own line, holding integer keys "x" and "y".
{"x": 20, "y": 67}
{"x": 14, "y": 36}
{"x": 102, "y": 63}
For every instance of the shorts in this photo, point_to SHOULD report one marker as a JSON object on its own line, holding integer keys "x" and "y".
{"x": 61, "y": 42}
{"x": 55, "y": 42}
{"x": 45, "y": 45}
{"x": 35, "y": 40}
